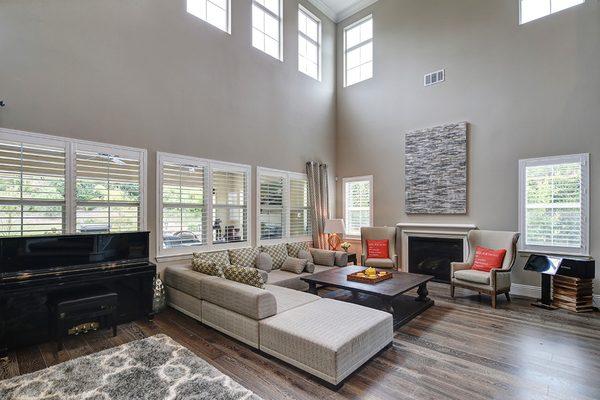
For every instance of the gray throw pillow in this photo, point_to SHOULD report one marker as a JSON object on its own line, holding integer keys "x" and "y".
{"x": 310, "y": 267}
{"x": 323, "y": 257}
{"x": 305, "y": 254}
{"x": 264, "y": 262}
{"x": 295, "y": 265}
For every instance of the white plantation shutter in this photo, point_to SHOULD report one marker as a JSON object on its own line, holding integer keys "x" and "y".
{"x": 229, "y": 205}
{"x": 357, "y": 204}
{"x": 183, "y": 205}
{"x": 107, "y": 194}
{"x": 32, "y": 188}
{"x": 272, "y": 210}
{"x": 300, "y": 218}
{"x": 554, "y": 203}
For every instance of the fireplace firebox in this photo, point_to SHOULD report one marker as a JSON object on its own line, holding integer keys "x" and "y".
{"x": 432, "y": 256}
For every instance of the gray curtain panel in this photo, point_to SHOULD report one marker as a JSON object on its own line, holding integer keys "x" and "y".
{"x": 318, "y": 185}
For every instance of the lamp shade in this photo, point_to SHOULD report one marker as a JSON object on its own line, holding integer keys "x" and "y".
{"x": 334, "y": 226}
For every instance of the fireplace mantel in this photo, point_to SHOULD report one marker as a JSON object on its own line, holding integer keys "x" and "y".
{"x": 435, "y": 230}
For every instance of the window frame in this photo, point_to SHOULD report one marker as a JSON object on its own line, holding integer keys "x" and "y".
{"x": 319, "y": 42}
{"x": 359, "y": 45}
{"x": 287, "y": 176}
{"x": 279, "y": 18}
{"x": 228, "y": 11}
{"x": 543, "y": 16}
{"x": 583, "y": 159}
{"x": 210, "y": 166}
{"x": 365, "y": 178}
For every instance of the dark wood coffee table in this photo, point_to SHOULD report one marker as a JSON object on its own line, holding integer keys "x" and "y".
{"x": 391, "y": 292}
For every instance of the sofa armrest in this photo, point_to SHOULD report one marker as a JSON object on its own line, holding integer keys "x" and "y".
{"x": 341, "y": 259}
{"x": 500, "y": 279}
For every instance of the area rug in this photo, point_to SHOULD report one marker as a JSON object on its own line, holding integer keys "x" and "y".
{"x": 153, "y": 368}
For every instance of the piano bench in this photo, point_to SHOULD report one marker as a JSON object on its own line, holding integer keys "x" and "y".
{"x": 74, "y": 313}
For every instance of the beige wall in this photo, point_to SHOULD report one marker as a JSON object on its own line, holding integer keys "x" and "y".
{"x": 528, "y": 91}
{"x": 145, "y": 73}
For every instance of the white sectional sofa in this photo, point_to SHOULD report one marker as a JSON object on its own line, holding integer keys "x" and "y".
{"x": 326, "y": 338}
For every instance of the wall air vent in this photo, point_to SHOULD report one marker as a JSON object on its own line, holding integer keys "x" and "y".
{"x": 434, "y": 78}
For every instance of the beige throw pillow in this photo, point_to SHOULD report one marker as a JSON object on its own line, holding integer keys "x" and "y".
{"x": 295, "y": 265}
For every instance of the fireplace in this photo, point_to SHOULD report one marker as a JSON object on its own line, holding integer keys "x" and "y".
{"x": 433, "y": 255}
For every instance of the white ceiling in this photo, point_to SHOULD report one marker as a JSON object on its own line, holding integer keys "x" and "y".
{"x": 339, "y": 10}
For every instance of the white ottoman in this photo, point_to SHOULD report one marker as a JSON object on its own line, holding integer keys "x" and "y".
{"x": 326, "y": 338}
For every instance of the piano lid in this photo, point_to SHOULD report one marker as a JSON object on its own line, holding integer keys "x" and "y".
{"x": 42, "y": 253}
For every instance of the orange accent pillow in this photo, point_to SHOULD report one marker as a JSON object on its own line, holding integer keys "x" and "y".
{"x": 488, "y": 259}
{"x": 377, "y": 249}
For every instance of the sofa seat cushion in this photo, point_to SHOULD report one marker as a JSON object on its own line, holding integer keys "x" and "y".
{"x": 471, "y": 275}
{"x": 186, "y": 280}
{"x": 380, "y": 262}
{"x": 238, "y": 297}
{"x": 323, "y": 268}
{"x": 288, "y": 279}
{"x": 327, "y": 338}
{"x": 288, "y": 299}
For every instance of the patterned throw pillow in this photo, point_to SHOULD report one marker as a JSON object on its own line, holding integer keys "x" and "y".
{"x": 207, "y": 268}
{"x": 220, "y": 258}
{"x": 247, "y": 276}
{"x": 244, "y": 257}
{"x": 294, "y": 248}
{"x": 278, "y": 253}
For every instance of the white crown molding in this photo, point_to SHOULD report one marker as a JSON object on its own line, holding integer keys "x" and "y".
{"x": 345, "y": 13}
{"x": 325, "y": 9}
{"x": 350, "y": 11}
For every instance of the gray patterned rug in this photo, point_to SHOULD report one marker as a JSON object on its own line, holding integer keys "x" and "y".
{"x": 153, "y": 368}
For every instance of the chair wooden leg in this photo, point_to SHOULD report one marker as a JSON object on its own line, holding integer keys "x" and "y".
{"x": 507, "y": 296}
{"x": 494, "y": 300}
{"x": 452, "y": 290}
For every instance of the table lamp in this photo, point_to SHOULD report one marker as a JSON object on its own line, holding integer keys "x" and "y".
{"x": 333, "y": 227}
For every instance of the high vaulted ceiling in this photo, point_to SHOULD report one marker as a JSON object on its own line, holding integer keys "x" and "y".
{"x": 339, "y": 10}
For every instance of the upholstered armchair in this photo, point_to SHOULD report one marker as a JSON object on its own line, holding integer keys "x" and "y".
{"x": 379, "y": 233}
{"x": 496, "y": 281}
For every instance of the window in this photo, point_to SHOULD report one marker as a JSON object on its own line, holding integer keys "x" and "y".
{"x": 107, "y": 189}
{"x": 32, "y": 187}
{"x": 266, "y": 26}
{"x": 283, "y": 205}
{"x": 215, "y": 12}
{"x": 554, "y": 204}
{"x": 358, "y": 51}
{"x": 189, "y": 218}
{"x": 51, "y": 185}
{"x": 309, "y": 43}
{"x": 358, "y": 204}
{"x": 534, "y": 9}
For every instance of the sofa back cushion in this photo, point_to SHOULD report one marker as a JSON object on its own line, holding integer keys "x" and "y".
{"x": 245, "y": 275}
{"x": 294, "y": 248}
{"x": 278, "y": 253}
{"x": 323, "y": 257}
{"x": 220, "y": 258}
{"x": 246, "y": 300}
{"x": 244, "y": 257}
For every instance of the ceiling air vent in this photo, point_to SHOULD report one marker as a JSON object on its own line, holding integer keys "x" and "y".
{"x": 434, "y": 77}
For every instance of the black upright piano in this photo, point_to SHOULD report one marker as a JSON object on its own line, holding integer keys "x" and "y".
{"x": 32, "y": 269}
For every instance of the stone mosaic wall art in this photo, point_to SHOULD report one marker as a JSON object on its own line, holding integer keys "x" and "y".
{"x": 436, "y": 170}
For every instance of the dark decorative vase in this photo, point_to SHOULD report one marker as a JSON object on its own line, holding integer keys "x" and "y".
{"x": 159, "y": 301}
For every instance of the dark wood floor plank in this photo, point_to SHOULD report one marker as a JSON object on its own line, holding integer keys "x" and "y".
{"x": 459, "y": 349}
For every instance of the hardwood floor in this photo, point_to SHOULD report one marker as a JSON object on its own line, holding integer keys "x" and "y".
{"x": 458, "y": 349}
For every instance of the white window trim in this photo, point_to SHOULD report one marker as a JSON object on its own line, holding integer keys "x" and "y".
{"x": 318, "y": 43}
{"x": 209, "y": 165}
{"x": 278, "y": 18}
{"x": 544, "y": 16}
{"x": 346, "y": 51}
{"x": 229, "y": 11}
{"x": 71, "y": 146}
{"x": 584, "y": 159}
{"x": 368, "y": 178}
{"x": 286, "y": 205}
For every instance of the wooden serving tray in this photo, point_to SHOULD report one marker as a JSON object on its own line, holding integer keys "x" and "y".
{"x": 364, "y": 279}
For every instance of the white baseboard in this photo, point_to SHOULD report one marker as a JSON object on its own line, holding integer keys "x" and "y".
{"x": 526, "y": 290}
